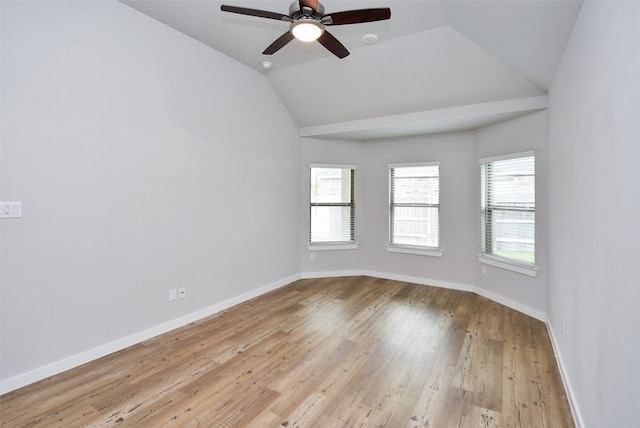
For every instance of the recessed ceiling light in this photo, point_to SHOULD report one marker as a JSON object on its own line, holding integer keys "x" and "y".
{"x": 266, "y": 65}
{"x": 369, "y": 38}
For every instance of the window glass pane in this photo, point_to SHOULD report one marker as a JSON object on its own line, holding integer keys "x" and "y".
{"x": 330, "y": 224}
{"x": 416, "y": 226}
{"x": 414, "y": 205}
{"x": 513, "y": 183}
{"x": 416, "y": 185}
{"x": 330, "y": 185}
{"x": 332, "y": 207}
{"x": 514, "y": 235}
{"x": 508, "y": 209}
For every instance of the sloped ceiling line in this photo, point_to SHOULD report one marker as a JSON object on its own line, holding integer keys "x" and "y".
{"x": 431, "y": 55}
{"x": 428, "y": 122}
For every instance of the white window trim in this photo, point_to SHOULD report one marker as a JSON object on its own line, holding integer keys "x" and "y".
{"x": 332, "y": 165}
{"x": 331, "y": 246}
{"x": 507, "y": 265}
{"x": 417, "y": 250}
{"x": 506, "y": 157}
{"x": 497, "y": 261}
{"x": 404, "y": 165}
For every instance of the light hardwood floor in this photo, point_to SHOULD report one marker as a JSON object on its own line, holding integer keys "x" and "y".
{"x": 353, "y": 351}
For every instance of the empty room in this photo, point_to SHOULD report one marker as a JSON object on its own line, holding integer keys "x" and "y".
{"x": 320, "y": 214}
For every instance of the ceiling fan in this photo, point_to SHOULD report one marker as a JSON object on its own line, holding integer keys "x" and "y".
{"x": 308, "y": 20}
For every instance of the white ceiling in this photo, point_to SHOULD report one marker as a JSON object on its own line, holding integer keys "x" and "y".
{"x": 431, "y": 58}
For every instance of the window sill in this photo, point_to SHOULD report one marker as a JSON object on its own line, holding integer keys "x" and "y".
{"x": 524, "y": 270}
{"x": 333, "y": 246}
{"x": 413, "y": 250}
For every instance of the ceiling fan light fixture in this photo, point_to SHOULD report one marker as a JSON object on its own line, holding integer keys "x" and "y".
{"x": 308, "y": 20}
{"x": 307, "y": 30}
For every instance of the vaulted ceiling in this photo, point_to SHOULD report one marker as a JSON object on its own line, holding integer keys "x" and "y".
{"x": 437, "y": 66}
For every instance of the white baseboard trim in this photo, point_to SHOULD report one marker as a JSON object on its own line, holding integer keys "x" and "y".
{"x": 391, "y": 276}
{"x": 422, "y": 281}
{"x": 527, "y": 310}
{"x": 539, "y": 315}
{"x": 331, "y": 274}
{"x": 573, "y": 404}
{"x": 117, "y": 345}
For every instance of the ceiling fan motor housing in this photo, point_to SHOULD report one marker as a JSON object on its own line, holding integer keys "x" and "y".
{"x": 296, "y": 13}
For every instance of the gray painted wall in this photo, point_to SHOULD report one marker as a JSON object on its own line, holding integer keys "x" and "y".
{"x": 518, "y": 135}
{"x": 330, "y": 152}
{"x": 142, "y": 159}
{"x": 454, "y": 151}
{"x": 594, "y": 212}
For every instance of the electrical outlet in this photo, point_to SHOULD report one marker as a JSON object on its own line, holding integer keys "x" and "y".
{"x": 172, "y": 294}
{"x": 484, "y": 270}
{"x": 562, "y": 326}
{"x": 181, "y": 293}
{"x": 312, "y": 256}
{"x": 11, "y": 209}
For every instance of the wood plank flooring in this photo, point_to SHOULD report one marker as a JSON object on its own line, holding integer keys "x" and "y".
{"x": 333, "y": 352}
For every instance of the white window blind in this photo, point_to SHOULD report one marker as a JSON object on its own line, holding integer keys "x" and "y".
{"x": 414, "y": 205}
{"x": 508, "y": 208}
{"x": 332, "y": 208}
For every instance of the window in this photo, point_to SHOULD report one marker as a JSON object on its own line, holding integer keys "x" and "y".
{"x": 414, "y": 206}
{"x": 508, "y": 208}
{"x": 332, "y": 208}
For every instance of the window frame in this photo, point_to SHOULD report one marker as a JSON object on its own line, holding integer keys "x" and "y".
{"x": 333, "y": 245}
{"x": 487, "y": 256}
{"x": 408, "y": 248}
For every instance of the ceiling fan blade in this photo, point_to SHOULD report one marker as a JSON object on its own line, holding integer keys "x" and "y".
{"x": 357, "y": 16}
{"x": 311, "y": 4}
{"x": 278, "y": 43}
{"x": 333, "y": 45}
{"x": 256, "y": 12}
